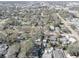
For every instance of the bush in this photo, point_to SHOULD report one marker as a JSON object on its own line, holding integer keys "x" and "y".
{"x": 26, "y": 46}
{"x": 13, "y": 22}
{"x": 74, "y": 49}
